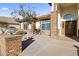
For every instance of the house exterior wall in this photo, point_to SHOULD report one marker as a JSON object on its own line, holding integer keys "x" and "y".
{"x": 22, "y": 25}
{"x": 67, "y": 10}
{"x": 16, "y": 26}
{"x": 29, "y": 26}
{"x": 38, "y": 25}
{"x": 57, "y": 17}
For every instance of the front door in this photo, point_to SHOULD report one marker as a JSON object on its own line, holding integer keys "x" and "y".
{"x": 70, "y": 28}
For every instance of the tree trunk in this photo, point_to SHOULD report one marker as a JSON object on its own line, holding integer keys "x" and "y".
{"x": 33, "y": 27}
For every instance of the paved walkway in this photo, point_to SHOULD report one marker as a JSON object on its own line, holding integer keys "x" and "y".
{"x": 45, "y": 46}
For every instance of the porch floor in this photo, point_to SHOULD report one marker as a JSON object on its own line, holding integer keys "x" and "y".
{"x": 50, "y": 46}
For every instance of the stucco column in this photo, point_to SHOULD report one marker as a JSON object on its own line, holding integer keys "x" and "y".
{"x": 52, "y": 7}
{"x": 22, "y": 25}
{"x": 37, "y": 25}
{"x": 59, "y": 23}
{"x": 29, "y": 28}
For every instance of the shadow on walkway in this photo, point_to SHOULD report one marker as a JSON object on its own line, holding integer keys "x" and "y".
{"x": 74, "y": 38}
{"x": 77, "y": 49}
{"x": 26, "y": 43}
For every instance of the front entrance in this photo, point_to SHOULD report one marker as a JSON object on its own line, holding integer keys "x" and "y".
{"x": 70, "y": 28}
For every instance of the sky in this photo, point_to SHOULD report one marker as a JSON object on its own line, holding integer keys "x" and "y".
{"x": 40, "y": 8}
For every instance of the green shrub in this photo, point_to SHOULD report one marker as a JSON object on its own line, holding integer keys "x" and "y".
{"x": 21, "y": 32}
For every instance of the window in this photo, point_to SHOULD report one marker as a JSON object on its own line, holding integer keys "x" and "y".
{"x": 45, "y": 25}
{"x": 68, "y": 16}
{"x": 25, "y": 26}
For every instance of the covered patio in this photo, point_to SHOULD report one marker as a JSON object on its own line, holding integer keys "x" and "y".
{"x": 64, "y": 20}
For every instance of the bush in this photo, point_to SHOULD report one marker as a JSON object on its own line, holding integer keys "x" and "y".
{"x": 21, "y": 32}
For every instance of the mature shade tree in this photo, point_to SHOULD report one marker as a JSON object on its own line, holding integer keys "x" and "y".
{"x": 29, "y": 15}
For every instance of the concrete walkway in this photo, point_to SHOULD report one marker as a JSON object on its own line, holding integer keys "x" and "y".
{"x": 46, "y": 46}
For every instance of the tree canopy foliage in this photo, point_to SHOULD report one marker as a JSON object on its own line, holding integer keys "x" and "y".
{"x": 27, "y": 14}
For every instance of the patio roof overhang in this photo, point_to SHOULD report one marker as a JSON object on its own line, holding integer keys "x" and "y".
{"x": 66, "y": 5}
{"x": 8, "y": 20}
{"x": 44, "y": 17}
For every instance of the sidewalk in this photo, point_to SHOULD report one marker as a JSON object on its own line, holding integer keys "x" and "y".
{"x": 45, "y": 46}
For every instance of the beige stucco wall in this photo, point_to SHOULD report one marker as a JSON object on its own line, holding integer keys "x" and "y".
{"x": 29, "y": 26}
{"x": 38, "y": 24}
{"x": 22, "y": 25}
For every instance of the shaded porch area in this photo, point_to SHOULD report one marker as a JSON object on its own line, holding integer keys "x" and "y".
{"x": 64, "y": 20}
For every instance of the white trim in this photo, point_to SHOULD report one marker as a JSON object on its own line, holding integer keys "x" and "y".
{"x": 52, "y": 7}
{"x": 59, "y": 23}
{"x": 68, "y": 19}
{"x": 72, "y": 19}
{"x": 47, "y": 21}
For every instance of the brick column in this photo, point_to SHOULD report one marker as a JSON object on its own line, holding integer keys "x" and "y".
{"x": 54, "y": 23}
{"x": 10, "y": 45}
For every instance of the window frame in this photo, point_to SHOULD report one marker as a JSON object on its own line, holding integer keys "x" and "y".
{"x": 25, "y": 25}
{"x": 45, "y": 25}
{"x": 68, "y": 16}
